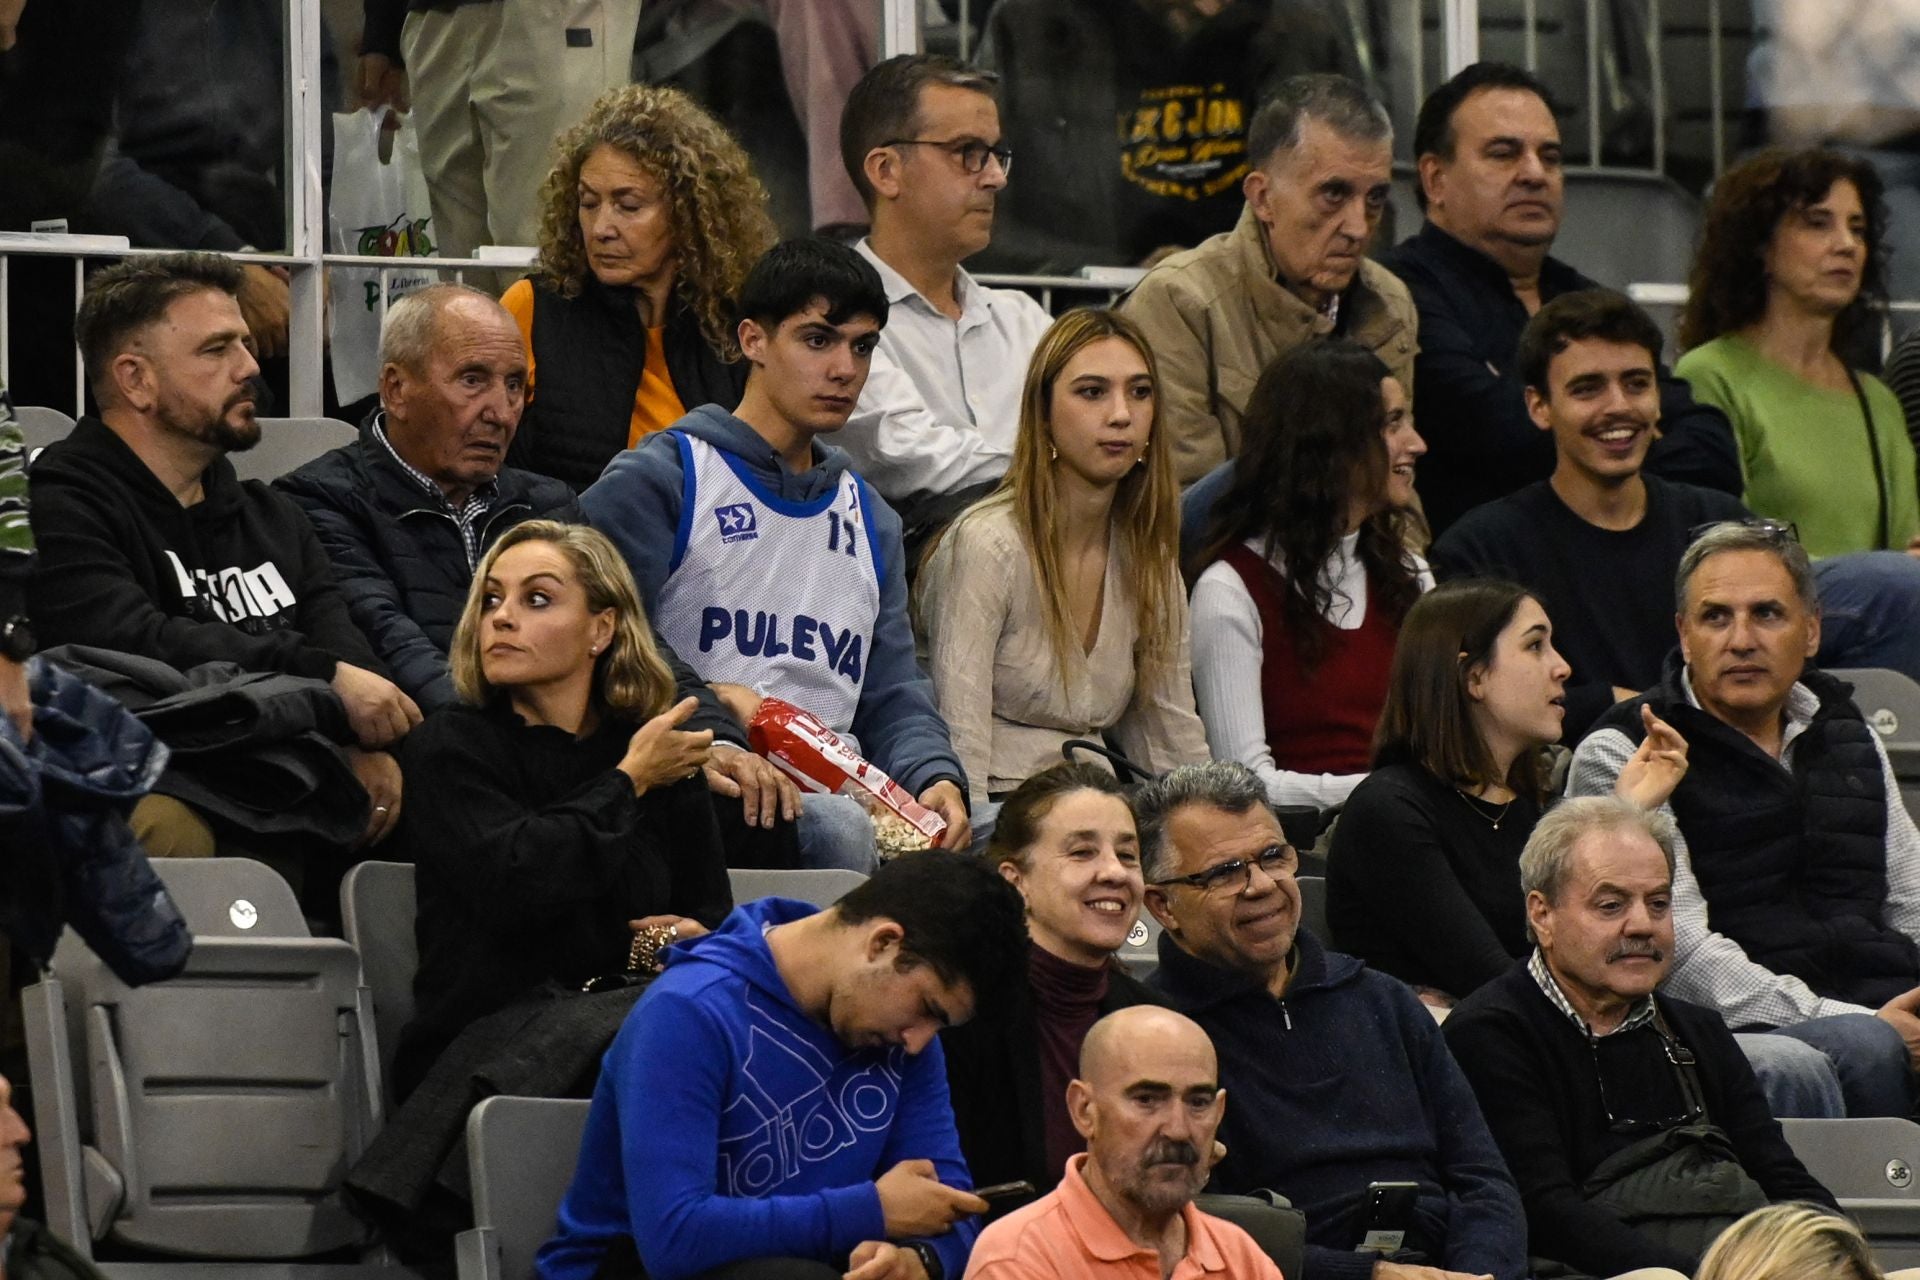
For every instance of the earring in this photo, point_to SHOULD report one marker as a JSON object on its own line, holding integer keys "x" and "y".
{"x": 1053, "y": 454}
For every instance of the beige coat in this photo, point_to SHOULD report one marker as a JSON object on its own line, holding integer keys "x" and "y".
{"x": 1216, "y": 317}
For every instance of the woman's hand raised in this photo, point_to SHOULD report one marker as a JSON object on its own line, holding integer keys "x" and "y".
{"x": 660, "y": 753}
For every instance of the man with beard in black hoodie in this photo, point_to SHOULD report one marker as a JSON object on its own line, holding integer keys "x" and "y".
{"x": 148, "y": 543}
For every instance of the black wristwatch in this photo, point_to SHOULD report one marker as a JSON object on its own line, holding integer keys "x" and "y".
{"x": 16, "y": 639}
{"x": 929, "y": 1260}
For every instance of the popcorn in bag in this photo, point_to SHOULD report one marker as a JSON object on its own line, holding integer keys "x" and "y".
{"x": 814, "y": 756}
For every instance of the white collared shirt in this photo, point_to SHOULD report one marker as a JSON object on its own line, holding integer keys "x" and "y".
{"x": 941, "y": 406}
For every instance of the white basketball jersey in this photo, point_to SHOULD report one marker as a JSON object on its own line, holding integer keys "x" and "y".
{"x": 776, "y": 595}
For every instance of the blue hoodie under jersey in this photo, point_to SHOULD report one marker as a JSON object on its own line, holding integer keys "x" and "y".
{"x": 755, "y": 1131}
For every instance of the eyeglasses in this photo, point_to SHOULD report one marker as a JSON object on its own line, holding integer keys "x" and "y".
{"x": 1779, "y": 532}
{"x": 1681, "y": 1060}
{"x": 970, "y": 152}
{"x": 1276, "y": 860}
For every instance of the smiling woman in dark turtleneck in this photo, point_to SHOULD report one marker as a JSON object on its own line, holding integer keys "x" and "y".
{"x": 1065, "y": 838}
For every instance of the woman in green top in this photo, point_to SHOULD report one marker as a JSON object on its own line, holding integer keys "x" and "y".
{"x": 1790, "y": 267}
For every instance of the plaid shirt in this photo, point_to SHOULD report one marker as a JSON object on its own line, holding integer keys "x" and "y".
{"x": 1639, "y": 1016}
{"x": 1711, "y": 968}
{"x": 469, "y": 517}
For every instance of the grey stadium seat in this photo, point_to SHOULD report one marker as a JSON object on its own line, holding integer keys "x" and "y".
{"x": 41, "y": 427}
{"x": 821, "y": 886}
{"x": 1141, "y": 954}
{"x": 1872, "y": 1166}
{"x": 232, "y": 898}
{"x": 287, "y": 444}
{"x": 1891, "y": 703}
{"x": 377, "y": 907}
{"x": 521, "y": 1153}
{"x": 1313, "y": 907}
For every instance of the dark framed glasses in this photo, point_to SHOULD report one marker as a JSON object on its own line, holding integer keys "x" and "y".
{"x": 1276, "y": 860}
{"x": 1780, "y": 532}
{"x": 970, "y": 152}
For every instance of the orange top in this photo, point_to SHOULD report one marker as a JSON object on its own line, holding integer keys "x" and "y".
{"x": 656, "y": 405}
{"x": 1069, "y": 1235}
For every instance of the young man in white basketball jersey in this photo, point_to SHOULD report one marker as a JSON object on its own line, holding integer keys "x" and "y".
{"x": 763, "y": 559}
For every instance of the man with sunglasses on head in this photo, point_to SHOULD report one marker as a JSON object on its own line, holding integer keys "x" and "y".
{"x": 1796, "y": 893}
{"x": 936, "y": 422}
{"x": 1339, "y": 1076}
{"x": 1576, "y": 1060}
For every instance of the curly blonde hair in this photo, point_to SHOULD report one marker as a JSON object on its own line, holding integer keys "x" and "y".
{"x": 629, "y": 677}
{"x": 719, "y": 209}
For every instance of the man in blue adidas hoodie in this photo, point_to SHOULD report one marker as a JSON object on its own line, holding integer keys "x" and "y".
{"x": 1339, "y": 1076}
{"x": 779, "y": 1092}
{"x": 761, "y": 557}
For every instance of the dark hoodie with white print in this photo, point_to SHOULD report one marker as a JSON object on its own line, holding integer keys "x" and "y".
{"x": 728, "y": 1124}
{"x": 237, "y": 577}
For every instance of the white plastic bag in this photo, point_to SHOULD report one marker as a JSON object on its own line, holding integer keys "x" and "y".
{"x": 379, "y": 209}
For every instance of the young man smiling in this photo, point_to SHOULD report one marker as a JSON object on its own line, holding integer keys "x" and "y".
{"x": 766, "y": 561}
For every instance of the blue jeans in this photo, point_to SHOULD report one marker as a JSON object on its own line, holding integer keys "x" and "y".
{"x": 1870, "y": 611}
{"x": 1851, "y": 1064}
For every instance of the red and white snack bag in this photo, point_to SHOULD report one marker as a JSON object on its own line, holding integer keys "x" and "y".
{"x": 815, "y": 757}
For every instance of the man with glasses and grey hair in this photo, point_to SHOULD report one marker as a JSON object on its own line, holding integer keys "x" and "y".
{"x": 1292, "y": 271}
{"x": 1339, "y": 1076}
{"x": 1576, "y": 1060}
{"x": 936, "y": 421}
{"x": 1792, "y": 835}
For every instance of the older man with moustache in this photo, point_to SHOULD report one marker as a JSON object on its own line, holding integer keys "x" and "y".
{"x": 1294, "y": 270}
{"x": 1148, "y": 1102}
{"x": 1576, "y": 1060}
{"x": 1339, "y": 1075}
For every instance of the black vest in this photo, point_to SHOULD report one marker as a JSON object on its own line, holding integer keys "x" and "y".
{"x": 588, "y": 354}
{"x": 1792, "y": 864}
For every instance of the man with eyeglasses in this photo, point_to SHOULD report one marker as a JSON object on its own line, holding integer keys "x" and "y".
{"x": 1339, "y": 1076}
{"x": 1796, "y": 895}
{"x": 936, "y": 422}
{"x": 1294, "y": 270}
{"x": 1576, "y": 1060}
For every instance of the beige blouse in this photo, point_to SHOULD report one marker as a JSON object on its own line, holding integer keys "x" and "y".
{"x": 998, "y": 684}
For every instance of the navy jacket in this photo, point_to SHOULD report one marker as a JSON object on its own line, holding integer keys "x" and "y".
{"x": 1344, "y": 1081}
{"x": 1481, "y": 444}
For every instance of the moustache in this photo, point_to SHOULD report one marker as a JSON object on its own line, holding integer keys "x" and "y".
{"x": 1172, "y": 1152}
{"x": 1635, "y": 949}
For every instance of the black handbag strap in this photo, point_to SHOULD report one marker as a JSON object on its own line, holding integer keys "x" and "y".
{"x": 1684, "y": 1065}
{"x": 1873, "y": 451}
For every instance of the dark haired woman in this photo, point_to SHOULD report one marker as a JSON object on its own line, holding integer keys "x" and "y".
{"x": 1423, "y": 877}
{"x": 1065, "y": 838}
{"x": 1290, "y": 669}
{"x": 1791, "y": 268}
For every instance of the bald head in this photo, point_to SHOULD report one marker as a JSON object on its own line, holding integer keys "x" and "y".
{"x": 1148, "y": 1102}
{"x": 1127, "y": 1038}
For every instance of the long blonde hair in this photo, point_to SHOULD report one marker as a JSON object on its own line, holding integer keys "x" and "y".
{"x": 719, "y": 209}
{"x": 1146, "y": 507}
{"x": 1790, "y": 1242}
{"x": 629, "y": 677}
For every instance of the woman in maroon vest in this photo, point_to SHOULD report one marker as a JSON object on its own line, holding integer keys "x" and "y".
{"x": 1290, "y": 669}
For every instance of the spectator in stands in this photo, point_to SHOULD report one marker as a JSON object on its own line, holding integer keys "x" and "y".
{"x": 1590, "y": 363}
{"x": 1147, "y": 1101}
{"x": 1576, "y": 1060}
{"x": 1491, "y": 185}
{"x": 1763, "y": 342}
{"x": 1065, "y": 839}
{"x": 1293, "y": 270}
{"x": 649, "y": 222}
{"x": 1182, "y": 78}
{"x": 561, "y": 836}
{"x": 1792, "y": 1242}
{"x": 27, "y": 1250}
{"x": 1053, "y": 610}
{"x": 1338, "y": 1075}
{"x": 1422, "y": 878}
{"x": 491, "y": 84}
{"x": 763, "y": 1033}
{"x": 406, "y": 512}
{"x": 150, "y": 546}
{"x": 1792, "y": 833}
{"x": 936, "y": 422}
{"x": 765, "y": 560}
{"x": 1290, "y": 671}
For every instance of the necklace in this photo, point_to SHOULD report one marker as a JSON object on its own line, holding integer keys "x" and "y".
{"x": 1480, "y": 807}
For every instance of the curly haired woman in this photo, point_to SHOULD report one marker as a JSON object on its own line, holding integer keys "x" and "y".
{"x": 651, "y": 219}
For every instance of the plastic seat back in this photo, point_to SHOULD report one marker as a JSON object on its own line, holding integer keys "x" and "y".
{"x": 1141, "y": 954}
{"x": 287, "y": 444}
{"x": 233, "y": 898}
{"x": 1872, "y": 1166}
{"x": 521, "y": 1154}
{"x": 378, "y": 903}
{"x": 41, "y": 427}
{"x": 822, "y": 886}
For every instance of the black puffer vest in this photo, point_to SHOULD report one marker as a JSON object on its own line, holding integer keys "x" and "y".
{"x": 588, "y": 354}
{"x": 1792, "y": 864}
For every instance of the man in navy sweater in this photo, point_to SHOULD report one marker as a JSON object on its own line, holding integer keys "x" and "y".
{"x": 1338, "y": 1075}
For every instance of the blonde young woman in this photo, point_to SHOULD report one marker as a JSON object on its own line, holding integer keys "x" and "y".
{"x": 651, "y": 219}
{"x": 1053, "y": 608}
{"x": 1793, "y": 1242}
{"x": 558, "y": 811}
